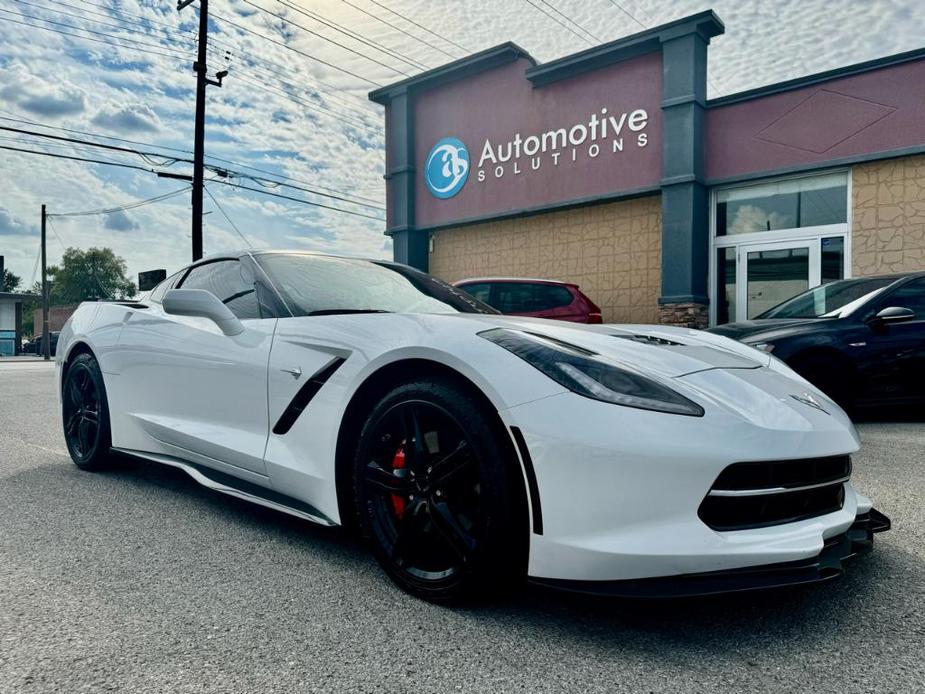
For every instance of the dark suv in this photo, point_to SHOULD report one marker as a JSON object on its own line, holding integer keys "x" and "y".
{"x": 534, "y": 298}
{"x": 861, "y": 341}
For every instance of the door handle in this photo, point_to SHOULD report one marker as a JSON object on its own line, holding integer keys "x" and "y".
{"x": 295, "y": 372}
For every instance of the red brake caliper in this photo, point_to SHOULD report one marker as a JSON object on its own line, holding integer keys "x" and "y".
{"x": 398, "y": 501}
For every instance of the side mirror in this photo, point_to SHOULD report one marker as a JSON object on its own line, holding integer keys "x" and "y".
{"x": 894, "y": 314}
{"x": 199, "y": 302}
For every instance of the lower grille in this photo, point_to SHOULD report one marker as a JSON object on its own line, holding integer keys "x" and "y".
{"x": 760, "y": 494}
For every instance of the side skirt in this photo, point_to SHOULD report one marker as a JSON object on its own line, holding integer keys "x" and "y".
{"x": 233, "y": 486}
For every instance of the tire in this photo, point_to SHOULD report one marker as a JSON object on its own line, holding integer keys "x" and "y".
{"x": 829, "y": 374}
{"x": 85, "y": 414}
{"x": 438, "y": 495}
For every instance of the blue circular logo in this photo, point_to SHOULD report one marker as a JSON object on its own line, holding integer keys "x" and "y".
{"x": 446, "y": 168}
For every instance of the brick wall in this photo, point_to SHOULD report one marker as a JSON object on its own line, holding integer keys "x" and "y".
{"x": 57, "y": 317}
{"x": 888, "y": 229}
{"x": 613, "y": 251}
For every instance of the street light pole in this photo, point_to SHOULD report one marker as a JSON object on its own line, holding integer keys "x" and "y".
{"x": 46, "y": 342}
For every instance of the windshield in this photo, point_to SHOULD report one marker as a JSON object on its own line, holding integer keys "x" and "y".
{"x": 832, "y": 300}
{"x": 314, "y": 285}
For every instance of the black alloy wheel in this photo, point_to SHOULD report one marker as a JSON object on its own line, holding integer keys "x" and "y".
{"x": 85, "y": 413}
{"x": 436, "y": 494}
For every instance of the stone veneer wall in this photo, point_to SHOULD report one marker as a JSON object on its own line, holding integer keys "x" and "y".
{"x": 612, "y": 250}
{"x": 888, "y": 216}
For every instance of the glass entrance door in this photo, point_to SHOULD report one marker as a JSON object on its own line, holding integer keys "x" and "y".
{"x": 774, "y": 272}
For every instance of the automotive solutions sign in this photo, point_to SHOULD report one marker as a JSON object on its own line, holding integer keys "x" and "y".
{"x": 494, "y": 144}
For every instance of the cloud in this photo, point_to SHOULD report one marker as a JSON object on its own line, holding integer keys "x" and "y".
{"x": 13, "y": 226}
{"x": 40, "y": 97}
{"x": 127, "y": 119}
{"x": 119, "y": 221}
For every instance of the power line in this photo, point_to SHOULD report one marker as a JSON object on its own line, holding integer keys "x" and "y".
{"x": 225, "y": 215}
{"x": 399, "y": 29}
{"x": 55, "y": 232}
{"x": 225, "y": 183}
{"x": 295, "y": 50}
{"x": 109, "y": 43}
{"x": 305, "y": 202}
{"x": 89, "y": 134}
{"x": 115, "y": 26}
{"x": 78, "y": 28}
{"x": 559, "y": 22}
{"x": 335, "y": 92}
{"x": 325, "y": 38}
{"x": 627, "y": 13}
{"x": 84, "y": 159}
{"x": 115, "y": 148}
{"x": 122, "y": 208}
{"x": 570, "y": 20}
{"x": 355, "y": 200}
{"x": 408, "y": 60}
{"x": 314, "y": 107}
{"x": 83, "y": 16}
{"x": 421, "y": 26}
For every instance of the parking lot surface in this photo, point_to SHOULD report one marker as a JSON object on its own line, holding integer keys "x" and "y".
{"x": 138, "y": 580}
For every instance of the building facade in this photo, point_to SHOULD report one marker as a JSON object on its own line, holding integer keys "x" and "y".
{"x": 610, "y": 168}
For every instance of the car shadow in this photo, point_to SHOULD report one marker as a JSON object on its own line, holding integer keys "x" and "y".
{"x": 871, "y": 590}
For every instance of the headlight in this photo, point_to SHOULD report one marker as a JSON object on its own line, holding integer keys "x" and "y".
{"x": 586, "y": 373}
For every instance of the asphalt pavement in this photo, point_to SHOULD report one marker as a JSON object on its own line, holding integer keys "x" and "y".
{"x": 139, "y": 580}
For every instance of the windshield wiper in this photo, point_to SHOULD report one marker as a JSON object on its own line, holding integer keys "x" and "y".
{"x": 336, "y": 311}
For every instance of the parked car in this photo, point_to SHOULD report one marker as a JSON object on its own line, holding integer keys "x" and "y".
{"x": 861, "y": 341}
{"x": 37, "y": 343}
{"x": 533, "y": 297}
{"x": 472, "y": 449}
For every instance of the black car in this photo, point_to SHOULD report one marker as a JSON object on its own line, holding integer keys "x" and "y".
{"x": 38, "y": 347}
{"x": 861, "y": 341}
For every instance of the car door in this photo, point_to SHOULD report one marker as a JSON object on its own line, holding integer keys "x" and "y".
{"x": 894, "y": 361}
{"x": 201, "y": 394}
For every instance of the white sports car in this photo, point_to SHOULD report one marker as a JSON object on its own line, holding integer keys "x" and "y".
{"x": 472, "y": 449}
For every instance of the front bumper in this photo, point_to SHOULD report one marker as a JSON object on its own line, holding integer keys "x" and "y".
{"x": 828, "y": 564}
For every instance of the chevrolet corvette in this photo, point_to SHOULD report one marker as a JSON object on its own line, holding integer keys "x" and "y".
{"x": 472, "y": 450}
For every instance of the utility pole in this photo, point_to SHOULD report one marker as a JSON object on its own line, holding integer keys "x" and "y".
{"x": 202, "y": 81}
{"x": 46, "y": 341}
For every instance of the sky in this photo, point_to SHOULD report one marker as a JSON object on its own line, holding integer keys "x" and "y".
{"x": 294, "y": 103}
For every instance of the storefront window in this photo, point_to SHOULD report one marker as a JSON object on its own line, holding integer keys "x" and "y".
{"x": 787, "y": 204}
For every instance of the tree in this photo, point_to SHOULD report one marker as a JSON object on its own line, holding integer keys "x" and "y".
{"x": 9, "y": 282}
{"x": 96, "y": 273}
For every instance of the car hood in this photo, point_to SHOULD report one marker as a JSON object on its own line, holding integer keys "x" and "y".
{"x": 752, "y": 329}
{"x": 664, "y": 350}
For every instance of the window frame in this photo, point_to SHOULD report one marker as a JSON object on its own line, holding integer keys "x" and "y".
{"x": 240, "y": 261}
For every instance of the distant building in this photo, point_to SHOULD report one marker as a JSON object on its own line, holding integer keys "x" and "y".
{"x": 57, "y": 317}
{"x": 11, "y": 322}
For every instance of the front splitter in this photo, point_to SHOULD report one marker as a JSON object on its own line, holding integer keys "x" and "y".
{"x": 826, "y": 565}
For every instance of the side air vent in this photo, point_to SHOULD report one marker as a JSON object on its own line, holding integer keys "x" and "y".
{"x": 305, "y": 395}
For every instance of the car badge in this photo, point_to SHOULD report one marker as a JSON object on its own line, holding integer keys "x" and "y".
{"x": 808, "y": 399}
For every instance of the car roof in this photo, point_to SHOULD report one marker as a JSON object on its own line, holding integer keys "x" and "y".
{"x": 530, "y": 280}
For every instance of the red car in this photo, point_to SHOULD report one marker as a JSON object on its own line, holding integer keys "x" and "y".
{"x": 536, "y": 298}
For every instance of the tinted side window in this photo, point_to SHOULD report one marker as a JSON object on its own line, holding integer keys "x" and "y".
{"x": 547, "y": 296}
{"x": 226, "y": 280}
{"x": 514, "y": 297}
{"x": 524, "y": 297}
{"x": 911, "y": 295}
{"x": 480, "y": 291}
